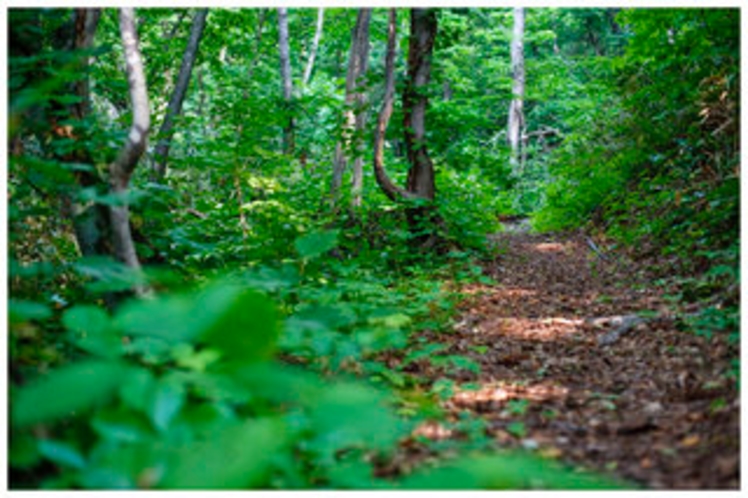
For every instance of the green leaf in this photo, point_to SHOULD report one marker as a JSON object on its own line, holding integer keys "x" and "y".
{"x": 395, "y": 378}
{"x": 239, "y": 323}
{"x": 166, "y": 401}
{"x": 236, "y": 456}
{"x": 394, "y": 320}
{"x": 20, "y": 310}
{"x": 508, "y": 471}
{"x": 187, "y": 358}
{"x": 316, "y": 243}
{"x": 137, "y": 388}
{"x": 172, "y": 318}
{"x": 92, "y": 331}
{"x": 65, "y": 391}
{"x": 354, "y": 414}
{"x": 61, "y": 453}
{"x": 518, "y": 406}
{"x": 121, "y": 425}
{"x": 444, "y": 388}
{"x": 247, "y": 330}
{"x": 108, "y": 274}
{"x": 517, "y": 429}
{"x": 23, "y": 452}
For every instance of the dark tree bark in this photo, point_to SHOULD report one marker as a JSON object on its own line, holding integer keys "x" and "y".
{"x": 355, "y": 113}
{"x": 90, "y": 222}
{"x": 420, "y": 49}
{"x": 392, "y": 191}
{"x": 285, "y": 69}
{"x": 121, "y": 170}
{"x": 177, "y": 98}
{"x": 420, "y": 183}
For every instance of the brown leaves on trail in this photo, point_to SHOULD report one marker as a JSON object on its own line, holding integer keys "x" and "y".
{"x": 651, "y": 405}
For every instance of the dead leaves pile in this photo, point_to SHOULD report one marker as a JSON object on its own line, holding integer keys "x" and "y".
{"x": 654, "y": 406}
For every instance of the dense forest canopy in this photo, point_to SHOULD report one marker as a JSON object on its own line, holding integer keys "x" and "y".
{"x": 233, "y": 232}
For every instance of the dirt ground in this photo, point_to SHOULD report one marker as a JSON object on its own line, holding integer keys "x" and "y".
{"x": 609, "y": 378}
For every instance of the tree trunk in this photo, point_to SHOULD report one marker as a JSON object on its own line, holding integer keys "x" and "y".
{"x": 516, "y": 119}
{"x": 90, "y": 223}
{"x": 422, "y": 35}
{"x": 313, "y": 49}
{"x": 285, "y": 69}
{"x": 392, "y": 191}
{"x": 355, "y": 114}
{"x": 121, "y": 170}
{"x": 177, "y": 97}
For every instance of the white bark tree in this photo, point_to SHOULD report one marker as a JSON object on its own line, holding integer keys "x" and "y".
{"x": 285, "y": 69}
{"x": 314, "y": 47}
{"x": 123, "y": 167}
{"x": 516, "y": 120}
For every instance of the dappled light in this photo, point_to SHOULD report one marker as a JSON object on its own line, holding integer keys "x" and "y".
{"x": 551, "y": 247}
{"x": 538, "y": 329}
{"x": 401, "y": 248}
{"x": 502, "y": 392}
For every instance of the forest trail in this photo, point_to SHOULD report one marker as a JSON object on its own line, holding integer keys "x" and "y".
{"x": 648, "y": 403}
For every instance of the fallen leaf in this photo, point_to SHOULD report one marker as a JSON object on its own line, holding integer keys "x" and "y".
{"x": 690, "y": 441}
{"x": 550, "y": 452}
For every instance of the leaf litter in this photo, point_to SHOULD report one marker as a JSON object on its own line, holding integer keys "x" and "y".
{"x": 582, "y": 361}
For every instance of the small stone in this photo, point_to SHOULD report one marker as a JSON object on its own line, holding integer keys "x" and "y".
{"x": 653, "y": 408}
{"x": 529, "y": 444}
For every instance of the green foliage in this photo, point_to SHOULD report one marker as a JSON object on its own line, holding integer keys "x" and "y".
{"x": 628, "y": 122}
{"x": 510, "y": 471}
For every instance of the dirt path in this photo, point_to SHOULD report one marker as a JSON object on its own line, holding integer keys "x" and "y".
{"x": 653, "y": 406}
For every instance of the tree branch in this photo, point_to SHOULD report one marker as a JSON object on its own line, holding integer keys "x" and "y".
{"x": 180, "y": 90}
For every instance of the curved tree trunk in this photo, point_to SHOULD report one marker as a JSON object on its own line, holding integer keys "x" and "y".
{"x": 420, "y": 49}
{"x": 421, "y": 173}
{"x": 177, "y": 97}
{"x": 355, "y": 114}
{"x": 285, "y": 69}
{"x": 392, "y": 191}
{"x": 516, "y": 121}
{"x": 123, "y": 167}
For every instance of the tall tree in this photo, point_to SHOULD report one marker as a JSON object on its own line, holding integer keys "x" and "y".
{"x": 90, "y": 223}
{"x": 392, "y": 191}
{"x": 177, "y": 97}
{"x": 314, "y": 47}
{"x": 423, "y": 26}
{"x": 516, "y": 120}
{"x": 285, "y": 69}
{"x": 123, "y": 167}
{"x": 354, "y": 116}
{"x": 420, "y": 184}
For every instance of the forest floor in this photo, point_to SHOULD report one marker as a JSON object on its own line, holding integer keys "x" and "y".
{"x": 638, "y": 398}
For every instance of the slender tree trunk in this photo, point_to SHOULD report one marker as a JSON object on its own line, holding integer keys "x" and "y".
{"x": 90, "y": 223}
{"x": 355, "y": 114}
{"x": 285, "y": 69}
{"x": 516, "y": 120}
{"x": 177, "y": 97}
{"x": 422, "y": 35}
{"x": 392, "y": 191}
{"x": 122, "y": 168}
{"x": 313, "y": 49}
